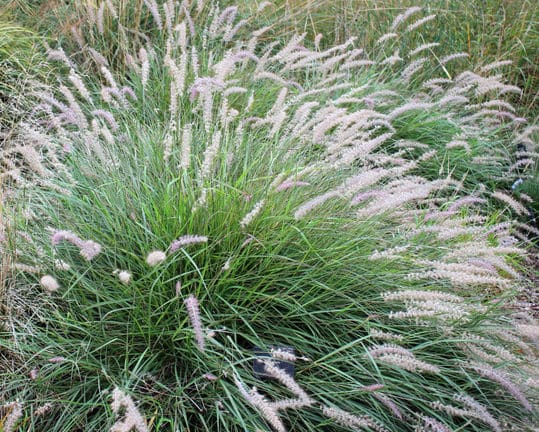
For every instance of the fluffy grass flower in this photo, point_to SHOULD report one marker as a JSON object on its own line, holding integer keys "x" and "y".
{"x": 191, "y": 304}
{"x": 131, "y": 419}
{"x": 155, "y": 257}
{"x": 49, "y": 283}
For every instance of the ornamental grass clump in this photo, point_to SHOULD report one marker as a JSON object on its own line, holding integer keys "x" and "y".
{"x": 212, "y": 194}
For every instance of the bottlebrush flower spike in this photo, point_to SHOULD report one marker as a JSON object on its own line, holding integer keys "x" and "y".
{"x": 271, "y": 368}
{"x": 511, "y": 202}
{"x": 268, "y": 411}
{"x": 89, "y": 249}
{"x": 49, "y": 283}
{"x": 290, "y": 184}
{"x": 349, "y": 420}
{"x": 13, "y": 417}
{"x": 124, "y": 276}
{"x": 252, "y": 214}
{"x": 420, "y": 22}
{"x": 131, "y": 419}
{"x": 430, "y": 424}
{"x": 43, "y": 409}
{"x": 372, "y": 387}
{"x": 60, "y": 235}
{"x": 33, "y": 374}
{"x": 404, "y": 16}
{"x": 479, "y": 411}
{"x": 154, "y": 9}
{"x": 392, "y": 406}
{"x": 281, "y": 354}
{"x": 156, "y": 257}
{"x": 489, "y": 372}
{"x": 187, "y": 240}
{"x": 191, "y": 304}
{"x": 108, "y": 117}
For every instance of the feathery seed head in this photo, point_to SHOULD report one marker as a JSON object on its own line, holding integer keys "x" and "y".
{"x": 49, "y": 283}
{"x": 156, "y": 257}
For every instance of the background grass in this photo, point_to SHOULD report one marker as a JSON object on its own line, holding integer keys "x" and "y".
{"x": 21, "y": 60}
{"x": 487, "y": 30}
